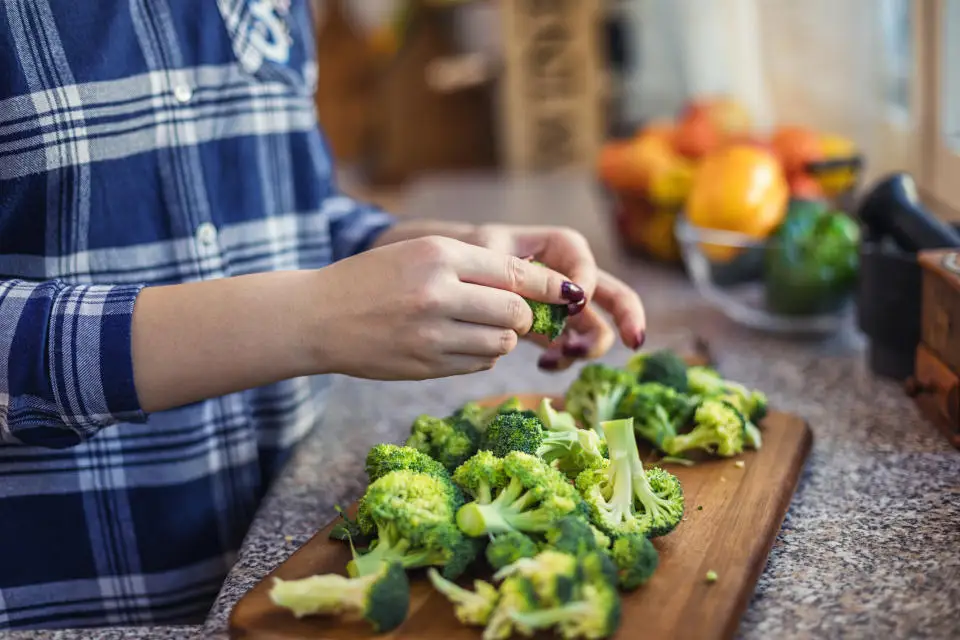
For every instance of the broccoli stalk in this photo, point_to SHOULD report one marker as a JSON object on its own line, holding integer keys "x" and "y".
{"x": 471, "y": 607}
{"x": 518, "y": 492}
{"x": 595, "y": 395}
{"x": 593, "y": 615}
{"x": 517, "y": 595}
{"x": 622, "y": 496}
{"x": 566, "y": 446}
{"x": 382, "y": 597}
{"x": 719, "y": 430}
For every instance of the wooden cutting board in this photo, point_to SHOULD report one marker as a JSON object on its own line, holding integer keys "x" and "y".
{"x": 732, "y": 534}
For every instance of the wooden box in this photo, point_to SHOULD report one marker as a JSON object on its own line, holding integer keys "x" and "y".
{"x": 551, "y": 87}
{"x": 936, "y": 383}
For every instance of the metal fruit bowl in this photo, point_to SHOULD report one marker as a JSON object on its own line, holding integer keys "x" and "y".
{"x": 727, "y": 269}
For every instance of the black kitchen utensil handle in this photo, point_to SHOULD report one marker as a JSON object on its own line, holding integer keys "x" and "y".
{"x": 892, "y": 207}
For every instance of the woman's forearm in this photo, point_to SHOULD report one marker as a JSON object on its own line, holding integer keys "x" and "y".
{"x": 205, "y": 339}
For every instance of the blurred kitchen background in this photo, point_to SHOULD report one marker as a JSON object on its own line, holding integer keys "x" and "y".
{"x": 792, "y": 160}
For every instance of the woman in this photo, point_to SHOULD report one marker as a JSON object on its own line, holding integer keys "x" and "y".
{"x": 177, "y": 266}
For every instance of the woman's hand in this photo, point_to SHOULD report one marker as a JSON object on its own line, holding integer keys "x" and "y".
{"x": 427, "y": 308}
{"x": 588, "y": 335}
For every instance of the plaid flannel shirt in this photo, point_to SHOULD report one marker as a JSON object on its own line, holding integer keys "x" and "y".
{"x": 145, "y": 142}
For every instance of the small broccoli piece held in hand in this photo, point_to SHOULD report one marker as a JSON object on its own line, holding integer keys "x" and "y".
{"x": 472, "y": 608}
{"x": 382, "y": 597}
{"x": 566, "y": 446}
{"x": 595, "y": 395}
{"x": 507, "y": 548}
{"x": 412, "y": 517}
{"x": 636, "y": 559}
{"x": 384, "y": 458}
{"x": 623, "y": 497}
{"x": 719, "y": 429}
{"x": 664, "y": 367}
{"x": 548, "y": 319}
{"x": 446, "y": 440}
{"x": 518, "y": 492}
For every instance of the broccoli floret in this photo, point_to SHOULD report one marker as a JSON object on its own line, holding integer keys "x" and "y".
{"x": 412, "y": 517}
{"x": 658, "y": 411}
{"x": 719, "y": 430}
{"x": 507, "y": 548}
{"x": 384, "y": 458}
{"x": 636, "y": 559}
{"x": 566, "y": 446}
{"x": 448, "y": 441}
{"x": 576, "y": 536}
{"x": 553, "y": 574}
{"x": 471, "y": 607}
{"x": 518, "y": 492}
{"x": 592, "y": 612}
{"x": 382, "y": 597}
{"x": 548, "y": 319}
{"x": 595, "y": 395}
{"x": 624, "y": 497}
{"x": 663, "y": 366}
{"x": 708, "y": 383}
{"x": 517, "y": 595}
{"x": 513, "y": 431}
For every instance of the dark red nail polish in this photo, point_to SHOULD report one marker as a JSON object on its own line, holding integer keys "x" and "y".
{"x": 576, "y": 307}
{"x": 571, "y": 292}
{"x": 575, "y": 349}
{"x": 640, "y": 339}
{"x": 548, "y": 362}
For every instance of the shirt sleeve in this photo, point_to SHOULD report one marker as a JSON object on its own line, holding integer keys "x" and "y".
{"x": 66, "y": 365}
{"x": 354, "y": 225}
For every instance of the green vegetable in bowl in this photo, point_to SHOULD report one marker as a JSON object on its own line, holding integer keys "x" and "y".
{"x": 811, "y": 260}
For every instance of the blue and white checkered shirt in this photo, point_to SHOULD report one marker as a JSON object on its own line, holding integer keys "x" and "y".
{"x": 144, "y": 142}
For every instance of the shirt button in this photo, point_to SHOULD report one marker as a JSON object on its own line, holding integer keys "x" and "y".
{"x": 206, "y": 234}
{"x": 182, "y": 93}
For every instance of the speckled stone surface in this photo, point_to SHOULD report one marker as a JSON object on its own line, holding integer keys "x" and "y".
{"x": 871, "y": 545}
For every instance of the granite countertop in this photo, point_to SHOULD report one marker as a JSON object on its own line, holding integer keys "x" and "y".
{"x": 870, "y": 546}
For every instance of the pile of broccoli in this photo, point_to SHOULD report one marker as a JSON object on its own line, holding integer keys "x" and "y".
{"x": 554, "y": 507}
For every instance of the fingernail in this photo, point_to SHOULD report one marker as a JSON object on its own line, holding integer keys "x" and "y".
{"x": 575, "y": 349}
{"x": 640, "y": 339}
{"x": 548, "y": 362}
{"x": 527, "y": 258}
{"x": 576, "y": 307}
{"x": 571, "y": 292}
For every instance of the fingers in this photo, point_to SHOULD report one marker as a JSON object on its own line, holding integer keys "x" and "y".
{"x": 624, "y": 305}
{"x": 569, "y": 252}
{"x": 493, "y": 307}
{"x": 461, "y": 338}
{"x": 588, "y": 336}
{"x": 477, "y": 265}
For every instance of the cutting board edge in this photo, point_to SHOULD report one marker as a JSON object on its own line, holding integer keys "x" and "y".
{"x": 801, "y": 457}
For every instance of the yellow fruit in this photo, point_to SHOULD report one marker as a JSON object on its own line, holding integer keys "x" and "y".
{"x": 739, "y": 188}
